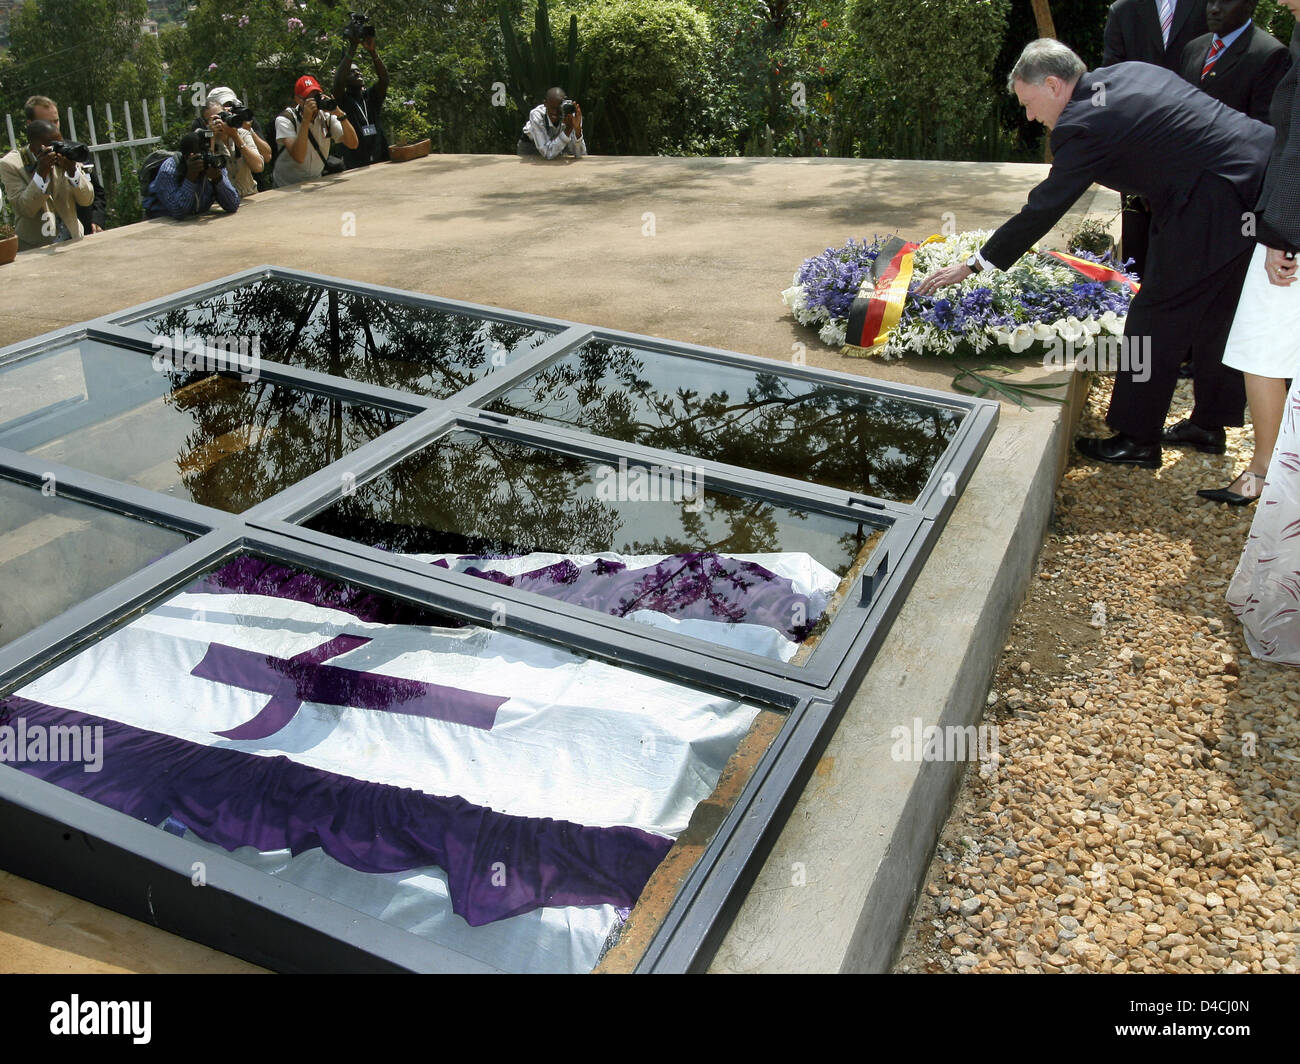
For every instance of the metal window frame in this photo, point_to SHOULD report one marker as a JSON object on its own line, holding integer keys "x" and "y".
{"x": 813, "y": 695}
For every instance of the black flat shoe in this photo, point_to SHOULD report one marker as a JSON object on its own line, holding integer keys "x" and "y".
{"x": 1249, "y": 481}
{"x": 1207, "y": 441}
{"x": 1120, "y": 450}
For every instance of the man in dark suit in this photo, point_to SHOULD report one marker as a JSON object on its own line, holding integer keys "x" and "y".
{"x": 1136, "y": 128}
{"x": 1147, "y": 31}
{"x": 1136, "y": 31}
{"x": 1236, "y": 62}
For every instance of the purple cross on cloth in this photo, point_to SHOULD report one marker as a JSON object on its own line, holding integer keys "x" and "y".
{"x": 302, "y": 678}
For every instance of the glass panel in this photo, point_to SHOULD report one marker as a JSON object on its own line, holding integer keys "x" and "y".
{"x": 361, "y": 337}
{"x": 485, "y": 791}
{"x": 655, "y": 545}
{"x": 816, "y": 432}
{"x": 213, "y": 438}
{"x": 54, "y": 552}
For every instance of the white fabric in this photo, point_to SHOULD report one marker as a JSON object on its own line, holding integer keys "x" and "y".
{"x": 807, "y": 576}
{"x": 578, "y": 740}
{"x": 562, "y": 939}
{"x": 1265, "y": 328}
{"x": 1265, "y": 589}
{"x": 552, "y": 141}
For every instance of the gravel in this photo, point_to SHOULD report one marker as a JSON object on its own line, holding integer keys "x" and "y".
{"x": 1143, "y": 816}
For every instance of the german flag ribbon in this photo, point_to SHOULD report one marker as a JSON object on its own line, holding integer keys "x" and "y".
{"x": 1094, "y": 270}
{"x": 876, "y": 310}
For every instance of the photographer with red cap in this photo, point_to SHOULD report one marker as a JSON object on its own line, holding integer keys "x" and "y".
{"x": 305, "y": 133}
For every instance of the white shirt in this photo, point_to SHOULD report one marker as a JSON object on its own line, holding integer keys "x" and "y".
{"x": 326, "y": 129}
{"x": 552, "y": 140}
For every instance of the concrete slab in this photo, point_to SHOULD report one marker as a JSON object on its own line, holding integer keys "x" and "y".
{"x": 695, "y": 250}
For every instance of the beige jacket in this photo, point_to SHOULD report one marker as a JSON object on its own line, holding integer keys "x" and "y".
{"x": 31, "y": 206}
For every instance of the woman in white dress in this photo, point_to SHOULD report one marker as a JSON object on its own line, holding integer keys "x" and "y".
{"x": 1263, "y": 341}
{"x": 1265, "y": 346}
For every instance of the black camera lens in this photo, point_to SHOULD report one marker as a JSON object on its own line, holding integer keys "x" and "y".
{"x": 72, "y": 150}
{"x": 568, "y": 107}
{"x": 326, "y": 103}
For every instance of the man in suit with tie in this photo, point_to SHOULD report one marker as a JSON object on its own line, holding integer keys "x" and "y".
{"x": 1236, "y": 62}
{"x": 1139, "y": 129}
{"x": 1148, "y": 31}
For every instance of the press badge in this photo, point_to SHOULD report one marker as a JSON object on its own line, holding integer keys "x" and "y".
{"x": 369, "y": 130}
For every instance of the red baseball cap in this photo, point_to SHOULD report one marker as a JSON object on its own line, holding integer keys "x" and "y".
{"x": 305, "y": 86}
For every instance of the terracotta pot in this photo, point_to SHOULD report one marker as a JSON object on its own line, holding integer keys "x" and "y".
{"x": 401, "y": 153}
{"x": 8, "y": 250}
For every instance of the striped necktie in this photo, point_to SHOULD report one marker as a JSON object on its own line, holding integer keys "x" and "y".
{"x": 1212, "y": 58}
{"x": 1166, "y": 19}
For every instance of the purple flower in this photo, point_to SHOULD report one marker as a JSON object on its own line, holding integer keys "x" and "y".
{"x": 212, "y": 66}
{"x": 296, "y": 24}
{"x": 243, "y": 21}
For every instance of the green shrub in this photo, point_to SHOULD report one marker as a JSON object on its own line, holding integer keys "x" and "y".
{"x": 644, "y": 56}
{"x": 926, "y": 73}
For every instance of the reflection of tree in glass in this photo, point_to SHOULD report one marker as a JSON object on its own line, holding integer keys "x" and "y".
{"x": 252, "y": 440}
{"x": 382, "y": 342}
{"x": 819, "y": 433}
{"x": 472, "y": 494}
{"x": 468, "y": 494}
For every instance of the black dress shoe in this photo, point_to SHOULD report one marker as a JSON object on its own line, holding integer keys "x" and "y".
{"x": 1252, "y": 482}
{"x": 1120, "y": 450}
{"x": 1207, "y": 441}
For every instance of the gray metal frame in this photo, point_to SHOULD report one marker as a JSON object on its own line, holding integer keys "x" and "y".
{"x": 813, "y": 694}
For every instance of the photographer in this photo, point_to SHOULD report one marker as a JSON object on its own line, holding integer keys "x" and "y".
{"x": 230, "y": 102}
{"x": 305, "y": 133}
{"x": 93, "y": 218}
{"x": 554, "y": 128}
{"x": 234, "y": 141}
{"x": 363, "y": 106}
{"x": 191, "y": 181}
{"x": 46, "y": 184}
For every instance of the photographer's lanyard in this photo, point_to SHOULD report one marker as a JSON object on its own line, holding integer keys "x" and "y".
{"x": 367, "y": 130}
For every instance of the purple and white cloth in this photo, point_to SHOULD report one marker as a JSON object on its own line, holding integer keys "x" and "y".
{"x": 501, "y": 796}
{"x": 765, "y": 604}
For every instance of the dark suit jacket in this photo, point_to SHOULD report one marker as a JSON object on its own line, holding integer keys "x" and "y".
{"x": 96, "y": 213}
{"x": 1245, "y": 76}
{"x": 1132, "y": 32}
{"x": 1141, "y": 130}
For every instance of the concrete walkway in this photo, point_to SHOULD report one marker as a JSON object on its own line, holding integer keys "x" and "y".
{"x": 690, "y": 249}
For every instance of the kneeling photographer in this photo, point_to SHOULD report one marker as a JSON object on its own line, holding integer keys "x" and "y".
{"x": 189, "y": 182}
{"x": 305, "y": 133}
{"x": 232, "y": 139}
{"x": 554, "y": 128}
{"x": 46, "y": 184}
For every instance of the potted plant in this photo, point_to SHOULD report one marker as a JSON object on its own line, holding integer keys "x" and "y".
{"x": 408, "y": 133}
{"x": 8, "y": 243}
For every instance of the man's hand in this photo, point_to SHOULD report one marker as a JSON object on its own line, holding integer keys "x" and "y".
{"x": 214, "y": 174}
{"x": 942, "y": 278}
{"x": 193, "y": 167}
{"x": 369, "y": 45}
{"x": 45, "y": 161}
{"x": 221, "y": 130}
{"x": 1281, "y": 270}
{"x": 310, "y": 106}
{"x": 577, "y": 119}
{"x": 95, "y": 227}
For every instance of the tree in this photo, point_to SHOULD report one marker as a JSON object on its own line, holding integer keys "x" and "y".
{"x": 73, "y": 50}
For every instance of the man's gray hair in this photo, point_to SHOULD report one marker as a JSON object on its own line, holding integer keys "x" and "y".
{"x": 1044, "y": 58}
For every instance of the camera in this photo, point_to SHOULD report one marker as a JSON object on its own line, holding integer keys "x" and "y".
{"x": 359, "y": 27}
{"x": 326, "y": 103}
{"x": 212, "y": 159}
{"x": 568, "y": 107}
{"x": 237, "y": 117}
{"x": 70, "y": 149}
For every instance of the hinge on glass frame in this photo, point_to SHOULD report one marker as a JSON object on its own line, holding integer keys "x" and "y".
{"x": 871, "y": 584}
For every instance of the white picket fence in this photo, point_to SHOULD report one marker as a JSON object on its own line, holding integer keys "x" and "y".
{"x": 88, "y": 135}
{"x": 111, "y": 147}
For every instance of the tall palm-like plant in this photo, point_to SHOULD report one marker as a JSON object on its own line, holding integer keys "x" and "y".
{"x": 537, "y": 64}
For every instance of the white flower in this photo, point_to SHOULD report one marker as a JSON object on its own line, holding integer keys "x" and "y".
{"x": 833, "y": 333}
{"x": 1020, "y": 339}
{"x": 1044, "y": 332}
{"x": 1069, "y": 329}
{"x": 1112, "y": 323}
